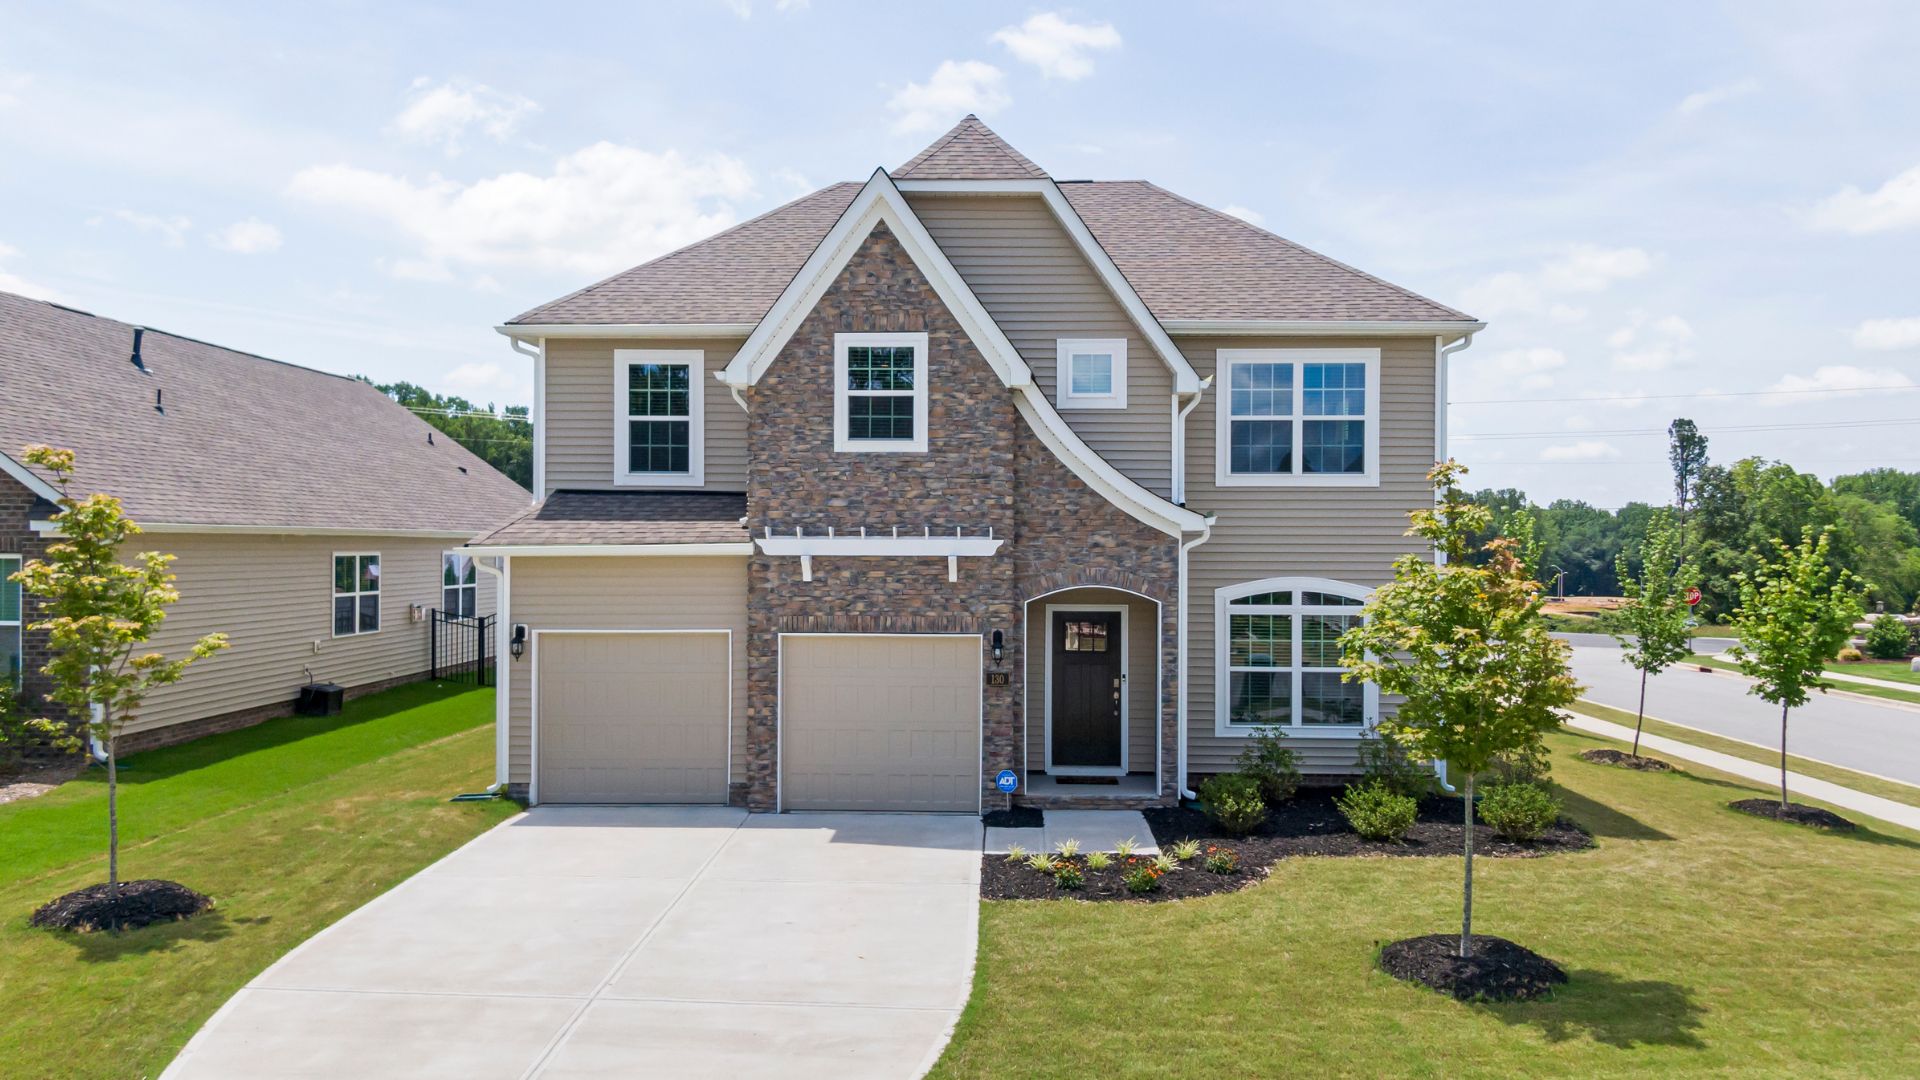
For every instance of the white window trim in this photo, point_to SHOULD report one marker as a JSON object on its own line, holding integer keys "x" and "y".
{"x": 1063, "y": 373}
{"x": 695, "y": 359}
{"x": 844, "y": 445}
{"x": 17, "y": 627}
{"x": 1223, "y": 475}
{"x": 471, "y": 561}
{"x": 1222, "y": 655}
{"x": 380, "y": 613}
{"x": 1126, "y": 692}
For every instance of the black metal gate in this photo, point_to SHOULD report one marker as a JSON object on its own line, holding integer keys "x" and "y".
{"x": 462, "y": 647}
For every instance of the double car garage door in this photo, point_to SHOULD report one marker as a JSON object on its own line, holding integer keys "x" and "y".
{"x": 868, "y": 722}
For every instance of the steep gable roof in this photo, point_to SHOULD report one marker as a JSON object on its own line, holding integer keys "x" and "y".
{"x": 971, "y": 151}
{"x": 206, "y": 436}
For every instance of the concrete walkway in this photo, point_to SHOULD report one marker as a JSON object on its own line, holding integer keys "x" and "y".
{"x": 1094, "y": 830}
{"x": 1798, "y": 784}
{"x": 632, "y": 941}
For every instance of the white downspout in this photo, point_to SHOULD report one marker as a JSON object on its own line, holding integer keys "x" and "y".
{"x": 1180, "y": 637}
{"x": 1440, "y": 355}
{"x": 503, "y": 629}
{"x": 734, "y": 389}
{"x": 1180, "y": 440}
{"x": 539, "y": 412}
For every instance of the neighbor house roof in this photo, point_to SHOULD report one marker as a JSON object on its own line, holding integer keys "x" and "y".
{"x": 621, "y": 518}
{"x": 1187, "y": 262}
{"x": 201, "y": 435}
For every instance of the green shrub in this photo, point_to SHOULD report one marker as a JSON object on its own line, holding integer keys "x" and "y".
{"x": 1888, "y": 638}
{"x": 1376, "y": 811}
{"x": 1185, "y": 850}
{"x": 1850, "y": 655}
{"x": 1233, "y": 801}
{"x": 1067, "y": 875}
{"x": 1142, "y": 876}
{"x": 1518, "y": 811}
{"x": 1273, "y": 766}
{"x": 1222, "y": 860}
{"x": 1384, "y": 762}
{"x": 1098, "y": 860}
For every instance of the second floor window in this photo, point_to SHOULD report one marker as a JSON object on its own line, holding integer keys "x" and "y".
{"x": 659, "y": 399}
{"x": 880, "y": 392}
{"x": 1092, "y": 373}
{"x": 1298, "y": 416}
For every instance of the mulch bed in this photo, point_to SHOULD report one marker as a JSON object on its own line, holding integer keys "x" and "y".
{"x": 1309, "y": 824}
{"x": 1624, "y": 760}
{"x": 1795, "y": 813}
{"x": 1498, "y": 970}
{"x": 1018, "y": 817}
{"x": 142, "y": 902}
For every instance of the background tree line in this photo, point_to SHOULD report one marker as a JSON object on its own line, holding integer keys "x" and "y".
{"x": 1731, "y": 515}
{"x": 503, "y": 438}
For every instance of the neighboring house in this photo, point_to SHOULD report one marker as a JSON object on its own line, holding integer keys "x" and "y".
{"x": 314, "y": 520}
{"x": 958, "y": 471}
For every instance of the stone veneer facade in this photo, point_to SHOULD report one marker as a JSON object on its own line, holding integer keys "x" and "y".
{"x": 983, "y": 469}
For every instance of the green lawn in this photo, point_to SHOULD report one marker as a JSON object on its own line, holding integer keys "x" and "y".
{"x": 1890, "y": 670}
{"x": 1700, "y": 942}
{"x": 1911, "y": 697}
{"x": 288, "y": 826}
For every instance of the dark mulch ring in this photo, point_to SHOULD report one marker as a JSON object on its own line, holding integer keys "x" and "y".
{"x": 141, "y": 902}
{"x": 1498, "y": 970}
{"x": 1795, "y": 813}
{"x": 1624, "y": 760}
{"x": 1003, "y": 880}
{"x": 1018, "y": 817}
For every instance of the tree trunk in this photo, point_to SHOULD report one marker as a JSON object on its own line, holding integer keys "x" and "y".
{"x": 1466, "y": 892}
{"x": 113, "y": 834}
{"x": 1783, "y": 757}
{"x": 1640, "y": 718}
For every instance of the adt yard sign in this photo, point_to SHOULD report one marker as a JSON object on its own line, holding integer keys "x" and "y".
{"x": 1006, "y": 781}
{"x": 1693, "y": 596}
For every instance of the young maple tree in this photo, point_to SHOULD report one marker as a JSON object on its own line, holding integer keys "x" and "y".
{"x": 1654, "y": 626}
{"x": 98, "y": 614}
{"x": 1464, "y": 645}
{"x": 1796, "y": 611}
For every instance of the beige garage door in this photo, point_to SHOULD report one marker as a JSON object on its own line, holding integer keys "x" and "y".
{"x": 630, "y": 718}
{"x": 870, "y": 722}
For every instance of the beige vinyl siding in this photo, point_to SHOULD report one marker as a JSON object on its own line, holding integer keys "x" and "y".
{"x": 1349, "y": 534}
{"x": 1035, "y": 283}
{"x": 625, "y": 593}
{"x": 1143, "y": 667}
{"x": 273, "y": 597}
{"x": 581, "y": 439}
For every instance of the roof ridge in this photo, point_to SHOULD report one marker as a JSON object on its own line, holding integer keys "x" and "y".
{"x": 1297, "y": 246}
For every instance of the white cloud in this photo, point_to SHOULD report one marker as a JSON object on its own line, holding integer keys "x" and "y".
{"x": 1251, "y": 217}
{"x": 1583, "y": 269}
{"x": 1834, "y": 381}
{"x": 171, "y": 228}
{"x": 957, "y": 87}
{"x": 1584, "y": 450}
{"x": 1527, "y": 368}
{"x": 11, "y": 84}
{"x": 14, "y": 283}
{"x": 1887, "y": 334}
{"x": 1895, "y": 206}
{"x": 443, "y": 113}
{"x": 1717, "y": 95}
{"x": 602, "y": 208}
{"x": 489, "y": 382}
{"x": 249, "y": 237}
{"x": 1060, "y": 49}
{"x": 1645, "y": 344}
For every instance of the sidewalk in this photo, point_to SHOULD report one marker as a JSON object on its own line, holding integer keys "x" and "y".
{"x": 1841, "y": 677}
{"x": 1798, "y": 784}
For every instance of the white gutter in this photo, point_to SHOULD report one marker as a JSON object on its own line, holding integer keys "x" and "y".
{"x": 503, "y": 629}
{"x": 52, "y": 528}
{"x": 1180, "y": 637}
{"x": 535, "y": 331}
{"x": 1323, "y": 327}
{"x": 1180, "y": 440}
{"x": 743, "y": 548}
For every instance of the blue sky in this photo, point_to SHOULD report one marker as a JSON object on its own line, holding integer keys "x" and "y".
{"x": 1643, "y": 200}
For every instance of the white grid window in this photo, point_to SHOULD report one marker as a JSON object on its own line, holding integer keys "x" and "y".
{"x": 1092, "y": 373}
{"x": 459, "y": 584}
{"x": 356, "y": 594}
{"x": 1278, "y": 661}
{"x": 12, "y": 616}
{"x": 658, "y": 417}
{"x": 880, "y": 393}
{"x": 1298, "y": 416}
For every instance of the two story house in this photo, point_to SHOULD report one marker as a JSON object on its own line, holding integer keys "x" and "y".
{"x": 960, "y": 486}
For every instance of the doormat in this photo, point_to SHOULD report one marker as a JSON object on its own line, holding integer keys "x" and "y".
{"x": 1110, "y": 781}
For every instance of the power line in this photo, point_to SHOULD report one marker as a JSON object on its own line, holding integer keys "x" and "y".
{"x": 1701, "y": 394}
{"x": 1567, "y": 433}
{"x": 467, "y": 412}
{"x": 1665, "y": 465}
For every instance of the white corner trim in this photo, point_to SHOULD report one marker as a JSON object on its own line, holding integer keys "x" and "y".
{"x": 532, "y": 332}
{"x": 1099, "y": 474}
{"x": 1223, "y": 476}
{"x": 1065, "y": 349}
{"x": 1322, "y": 327}
{"x": 695, "y": 361}
{"x": 842, "y": 443}
{"x": 879, "y": 201}
{"x": 28, "y": 479}
{"x": 540, "y": 422}
{"x": 1223, "y": 598}
{"x": 741, "y": 549}
{"x": 1185, "y": 379}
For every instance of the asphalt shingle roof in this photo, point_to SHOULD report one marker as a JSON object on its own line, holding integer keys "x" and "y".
{"x": 969, "y": 152}
{"x": 210, "y": 436}
{"x": 627, "y": 517}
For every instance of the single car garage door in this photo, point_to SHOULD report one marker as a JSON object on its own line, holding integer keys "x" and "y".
{"x": 880, "y": 722}
{"x": 632, "y": 718}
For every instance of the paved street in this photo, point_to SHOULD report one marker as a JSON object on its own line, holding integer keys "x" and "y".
{"x": 1877, "y": 738}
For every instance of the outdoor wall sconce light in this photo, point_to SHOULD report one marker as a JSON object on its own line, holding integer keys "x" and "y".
{"x": 518, "y": 643}
{"x": 999, "y": 646}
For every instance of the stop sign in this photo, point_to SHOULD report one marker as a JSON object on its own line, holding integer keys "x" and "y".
{"x": 1693, "y": 596}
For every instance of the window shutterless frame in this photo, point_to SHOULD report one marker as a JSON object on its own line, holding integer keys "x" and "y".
{"x": 1091, "y": 373}
{"x": 459, "y": 584}
{"x": 13, "y": 618}
{"x": 1294, "y": 604}
{"x": 1292, "y": 394}
{"x": 890, "y": 398}
{"x": 356, "y": 593}
{"x": 659, "y": 415}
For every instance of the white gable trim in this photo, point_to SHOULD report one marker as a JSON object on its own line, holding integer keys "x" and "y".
{"x": 879, "y": 201}
{"x": 28, "y": 478}
{"x": 1185, "y": 379}
{"x": 1093, "y": 470}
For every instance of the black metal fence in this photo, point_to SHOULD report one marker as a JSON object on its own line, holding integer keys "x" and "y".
{"x": 462, "y": 647}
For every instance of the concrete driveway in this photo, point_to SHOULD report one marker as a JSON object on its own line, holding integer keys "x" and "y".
{"x": 630, "y": 941}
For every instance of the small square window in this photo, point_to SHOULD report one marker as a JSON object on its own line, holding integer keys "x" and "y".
{"x": 1092, "y": 373}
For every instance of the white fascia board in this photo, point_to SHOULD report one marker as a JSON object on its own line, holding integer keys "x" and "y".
{"x": 1322, "y": 327}
{"x": 29, "y": 479}
{"x": 530, "y": 332}
{"x": 1185, "y": 379}
{"x": 879, "y": 201}
{"x": 880, "y": 546}
{"x": 741, "y": 550}
{"x": 1095, "y": 471}
{"x": 462, "y": 535}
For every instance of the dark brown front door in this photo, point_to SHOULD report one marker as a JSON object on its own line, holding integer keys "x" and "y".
{"x": 1086, "y": 689}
